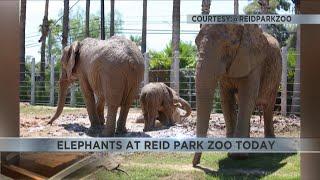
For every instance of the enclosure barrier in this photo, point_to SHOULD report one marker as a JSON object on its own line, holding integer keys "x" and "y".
{"x": 287, "y": 101}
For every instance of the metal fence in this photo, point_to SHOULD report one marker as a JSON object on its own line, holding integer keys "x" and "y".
{"x": 45, "y": 92}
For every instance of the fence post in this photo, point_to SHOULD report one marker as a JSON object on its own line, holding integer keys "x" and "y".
{"x": 176, "y": 71}
{"x": 73, "y": 100}
{"x": 284, "y": 54}
{"x": 32, "y": 92}
{"x": 52, "y": 60}
{"x": 146, "y": 68}
{"x": 190, "y": 88}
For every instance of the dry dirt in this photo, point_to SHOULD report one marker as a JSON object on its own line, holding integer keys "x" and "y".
{"x": 77, "y": 124}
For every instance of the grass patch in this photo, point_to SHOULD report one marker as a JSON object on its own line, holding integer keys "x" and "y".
{"x": 213, "y": 166}
{"x": 27, "y": 110}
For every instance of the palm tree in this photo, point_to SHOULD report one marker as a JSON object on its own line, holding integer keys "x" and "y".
{"x": 144, "y": 27}
{"x": 87, "y": 31}
{"x": 264, "y": 4}
{"x": 236, "y": 7}
{"x": 65, "y": 27}
{"x": 44, "y": 32}
{"x": 23, "y": 6}
{"x": 136, "y": 40}
{"x": 205, "y": 7}
{"x": 111, "y": 18}
{"x": 175, "y": 45}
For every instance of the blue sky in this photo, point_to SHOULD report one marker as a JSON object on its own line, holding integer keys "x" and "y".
{"x": 159, "y": 18}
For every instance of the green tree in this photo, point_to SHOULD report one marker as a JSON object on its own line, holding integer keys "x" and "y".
{"x": 279, "y": 31}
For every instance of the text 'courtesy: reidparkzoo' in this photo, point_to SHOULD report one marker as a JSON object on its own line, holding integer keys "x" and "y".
{"x": 166, "y": 145}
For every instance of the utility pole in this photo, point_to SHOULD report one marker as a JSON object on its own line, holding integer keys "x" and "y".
{"x": 144, "y": 28}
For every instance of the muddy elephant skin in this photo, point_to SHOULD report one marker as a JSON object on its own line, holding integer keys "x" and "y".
{"x": 158, "y": 101}
{"x": 109, "y": 72}
{"x": 247, "y": 63}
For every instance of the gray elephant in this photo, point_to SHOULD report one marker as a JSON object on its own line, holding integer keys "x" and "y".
{"x": 158, "y": 101}
{"x": 109, "y": 72}
{"x": 247, "y": 63}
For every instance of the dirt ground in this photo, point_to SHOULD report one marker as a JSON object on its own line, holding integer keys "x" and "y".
{"x": 74, "y": 122}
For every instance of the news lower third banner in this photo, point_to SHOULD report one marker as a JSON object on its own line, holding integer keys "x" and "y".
{"x": 248, "y": 145}
{"x": 253, "y": 19}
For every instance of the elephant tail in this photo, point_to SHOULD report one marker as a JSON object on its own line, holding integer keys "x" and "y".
{"x": 185, "y": 106}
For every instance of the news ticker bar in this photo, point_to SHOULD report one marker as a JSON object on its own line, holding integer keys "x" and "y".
{"x": 249, "y": 145}
{"x": 254, "y": 19}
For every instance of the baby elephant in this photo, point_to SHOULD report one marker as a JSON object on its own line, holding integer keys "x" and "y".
{"x": 158, "y": 101}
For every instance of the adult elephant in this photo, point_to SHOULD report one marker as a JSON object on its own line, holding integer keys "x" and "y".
{"x": 247, "y": 63}
{"x": 108, "y": 71}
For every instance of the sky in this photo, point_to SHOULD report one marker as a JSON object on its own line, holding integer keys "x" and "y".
{"x": 159, "y": 18}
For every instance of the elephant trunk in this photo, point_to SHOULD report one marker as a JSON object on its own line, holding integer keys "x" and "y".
{"x": 185, "y": 106}
{"x": 205, "y": 86}
{"x": 63, "y": 89}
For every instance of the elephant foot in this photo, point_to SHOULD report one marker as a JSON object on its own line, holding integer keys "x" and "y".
{"x": 171, "y": 124}
{"x": 121, "y": 131}
{"x": 106, "y": 133}
{"x": 196, "y": 159}
{"x": 238, "y": 156}
{"x": 147, "y": 129}
{"x": 270, "y": 135}
{"x": 94, "y": 130}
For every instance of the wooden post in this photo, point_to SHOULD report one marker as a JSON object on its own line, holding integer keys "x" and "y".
{"x": 146, "y": 68}
{"x": 73, "y": 99}
{"x": 284, "y": 53}
{"x": 33, "y": 68}
{"x": 52, "y": 60}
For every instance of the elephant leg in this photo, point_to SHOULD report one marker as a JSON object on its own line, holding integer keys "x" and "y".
{"x": 109, "y": 129}
{"x": 90, "y": 104}
{"x": 248, "y": 93}
{"x": 164, "y": 119}
{"x": 247, "y": 99}
{"x": 168, "y": 119}
{"x": 121, "y": 124}
{"x": 100, "y": 109}
{"x": 229, "y": 110}
{"x": 149, "y": 122}
{"x": 268, "y": 118}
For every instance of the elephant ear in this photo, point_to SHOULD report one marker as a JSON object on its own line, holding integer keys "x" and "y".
{"x": 250, "y": 52}
{"x": 72, "y": 54}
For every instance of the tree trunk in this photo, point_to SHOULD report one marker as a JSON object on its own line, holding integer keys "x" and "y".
{"x": 205, "y": 7}
{"x": 144, "y": 28}
{"x": 87, "y": 31}
{"x": 264, "y": 10}
{"x": 111, "y": 18}
{"x": 23, "y": 6}
{"x": 43, "y": 38}
{"x": 236, "y": 7}
{"x": 175, "y": 45}
{"x": 102, "y": 32}
{"x": 65, "y": 27}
